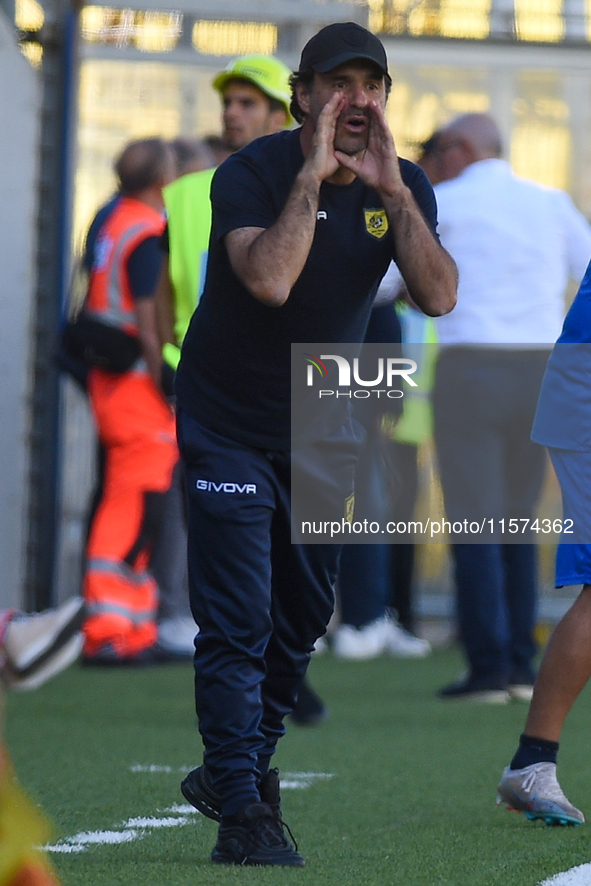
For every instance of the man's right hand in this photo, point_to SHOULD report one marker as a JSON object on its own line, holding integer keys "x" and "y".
{"x": 321, "y": 162}
{"x": 270, "y": 260}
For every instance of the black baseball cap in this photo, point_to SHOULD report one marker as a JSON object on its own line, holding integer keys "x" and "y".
{"x": 339, "y": 43}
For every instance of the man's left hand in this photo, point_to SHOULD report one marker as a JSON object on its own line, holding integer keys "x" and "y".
{"x": 377, "y": 166}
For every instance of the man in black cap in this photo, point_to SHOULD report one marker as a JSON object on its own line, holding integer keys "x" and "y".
{"x": 305, "y": 223}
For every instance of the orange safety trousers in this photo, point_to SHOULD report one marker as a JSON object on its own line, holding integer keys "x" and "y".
{"x": 136, "y": 427}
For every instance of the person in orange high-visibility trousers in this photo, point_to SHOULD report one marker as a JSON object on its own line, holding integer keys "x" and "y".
{"x": 134, "y": 420}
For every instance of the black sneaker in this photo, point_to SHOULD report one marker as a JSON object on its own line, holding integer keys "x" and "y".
{"x": 255, "y": 836}
{"x": 491, "y": 690}
{"x": 309, "y": 709}
{"x": 196, "y": 788}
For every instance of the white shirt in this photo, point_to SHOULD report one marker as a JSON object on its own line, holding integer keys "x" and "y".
{"x": 389, "y": 286}
{"x": 516, "y": 243}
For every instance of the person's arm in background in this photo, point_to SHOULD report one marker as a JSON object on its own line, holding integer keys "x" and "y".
{"x": 143, "y": 269}
{"x": 164, "y": 307}
{"x": 577, "y": 234}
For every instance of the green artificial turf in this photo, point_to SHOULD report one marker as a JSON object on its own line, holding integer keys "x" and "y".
{"x": 410, "y": 803}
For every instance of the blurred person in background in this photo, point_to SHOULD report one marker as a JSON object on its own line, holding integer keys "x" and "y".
{"x": 415, "y": 427}
{"x": 133, "y": 418}
{"x": 167, "y": 564}
{"x": 254, "y": 93}
{"x": 191, "y": 155}
{"x": 375, "y": 580}
{"x": 168, "y": 559}
{"x": 368, "y": 623}
{"x": 516, "y": 244}
{"x": 218, "y": 148}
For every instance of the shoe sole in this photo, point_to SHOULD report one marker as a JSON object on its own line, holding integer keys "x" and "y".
{"x": 550, "y": 818}
{"x": 72, "y": 618}
{"x": 521, "y": 692}
{"x": 51, "y": 666}
{"x": 203, "y": 800}
{"x": 290, "y": 861}
{"x": 554, "y": 820}
{"x": 500, "y": 696}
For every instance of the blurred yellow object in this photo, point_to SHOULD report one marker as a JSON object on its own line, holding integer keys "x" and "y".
{"x": 23, "y": 828}
{"x": 542, "y": 633}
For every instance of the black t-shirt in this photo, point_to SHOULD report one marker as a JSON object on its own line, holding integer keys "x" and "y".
{"x": 234, "y": 374}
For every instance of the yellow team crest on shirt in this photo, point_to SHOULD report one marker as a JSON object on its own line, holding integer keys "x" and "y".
{"x": 376, "y": 222}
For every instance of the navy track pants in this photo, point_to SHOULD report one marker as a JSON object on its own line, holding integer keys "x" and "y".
{"x": 259, "y": 600}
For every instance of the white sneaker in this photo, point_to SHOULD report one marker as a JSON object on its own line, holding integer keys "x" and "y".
{"x": 176, "y": 635}
{"x": 535, "y": 791}
{"x": 32, "y": 638}
{"x": 360, "y": 644}
{"x": 402, "y": 644}
{"x": 46, "y": 668}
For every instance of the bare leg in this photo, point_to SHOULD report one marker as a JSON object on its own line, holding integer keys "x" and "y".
{"x": 565, "y": 670}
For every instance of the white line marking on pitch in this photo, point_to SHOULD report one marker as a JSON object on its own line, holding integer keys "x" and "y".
{"x": 297, "y": 781}
{"x": 578, "y": 876}
{"x": 130, "y": 830}
{"x": 176, "y": 815}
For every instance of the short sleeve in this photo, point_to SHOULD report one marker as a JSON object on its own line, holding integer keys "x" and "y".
{"x": 143, "y": 268}
{"x": 240, "y": 197}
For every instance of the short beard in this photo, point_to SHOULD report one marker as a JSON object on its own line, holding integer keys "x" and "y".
{"x": 351, "y": 152}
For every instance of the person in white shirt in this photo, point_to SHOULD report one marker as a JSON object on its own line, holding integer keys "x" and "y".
{"x": 516, "y": 244}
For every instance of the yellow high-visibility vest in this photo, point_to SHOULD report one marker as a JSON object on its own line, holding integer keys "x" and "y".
{"x": 188, "y": 208}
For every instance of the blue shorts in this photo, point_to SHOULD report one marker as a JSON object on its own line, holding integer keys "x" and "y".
{"x": 573, "y": 557}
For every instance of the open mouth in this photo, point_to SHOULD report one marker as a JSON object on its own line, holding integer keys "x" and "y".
{"x": 356, "y": 124}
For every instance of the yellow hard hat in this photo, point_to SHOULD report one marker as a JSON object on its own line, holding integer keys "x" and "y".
{"x": 266, "y": 72}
